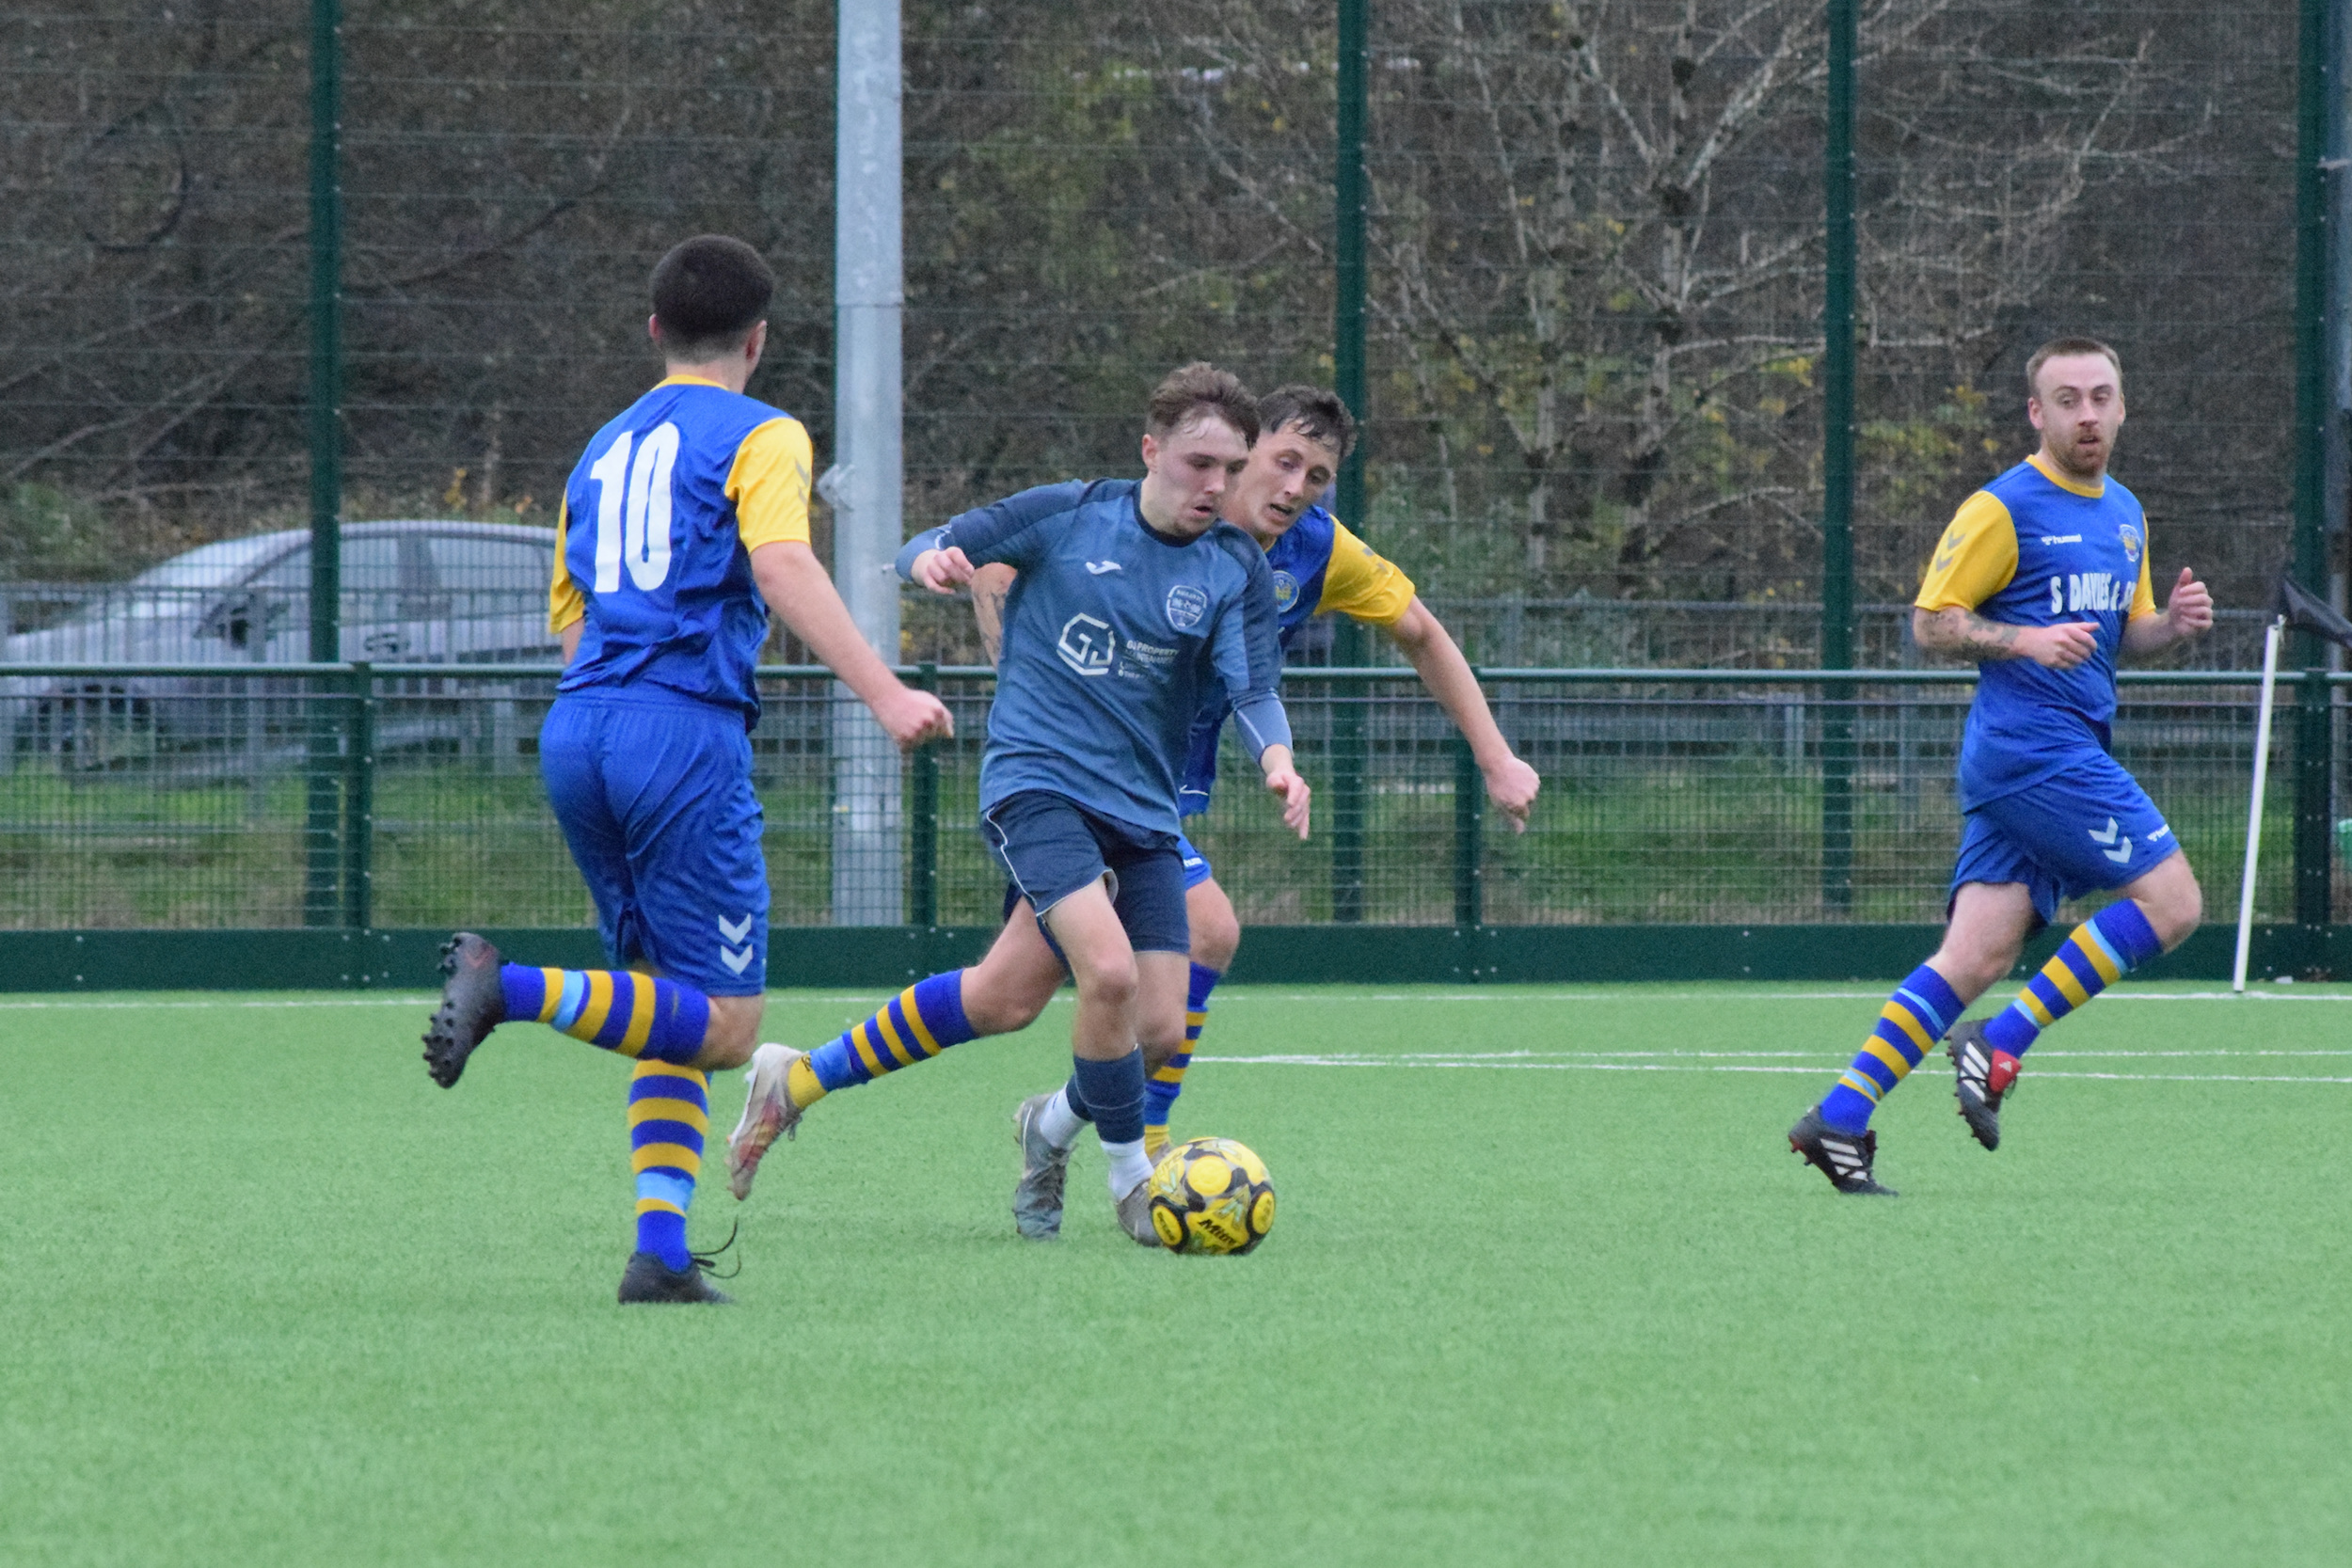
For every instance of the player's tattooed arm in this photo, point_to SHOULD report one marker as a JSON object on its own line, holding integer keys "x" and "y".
{"x": 990, "y": 586}
{"x": 1958, "y": 632}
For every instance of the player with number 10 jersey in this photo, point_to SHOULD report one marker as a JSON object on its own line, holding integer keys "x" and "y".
{"x": 685, "y": 522}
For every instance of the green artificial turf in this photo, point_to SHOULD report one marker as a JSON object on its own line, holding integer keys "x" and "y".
{"x": 270, "y": 1297}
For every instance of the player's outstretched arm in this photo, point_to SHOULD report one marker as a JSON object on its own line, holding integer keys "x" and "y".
{"x": 1283, "y": 779}
{"x": 1511, "y": 784}
{"x": 1957, "y": 632}
{"x": 798, "y": 588}
{"x": 2188, "y": 613}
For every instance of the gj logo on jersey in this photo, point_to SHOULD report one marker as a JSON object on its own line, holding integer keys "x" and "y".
{"x": 1087, "y": 645}
{"x": 1185, "y": 605}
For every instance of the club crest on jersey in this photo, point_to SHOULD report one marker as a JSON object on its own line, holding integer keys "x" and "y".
{"x": 2130, "y": 536}
{"x": 1185, "y": 605}
{"x": 1285, "y": 591}
{"x": 1087, "y": 645}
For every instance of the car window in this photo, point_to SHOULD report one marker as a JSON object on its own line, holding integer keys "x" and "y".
{"x": 469, "y": 564}
{"x": 371, "y": 565}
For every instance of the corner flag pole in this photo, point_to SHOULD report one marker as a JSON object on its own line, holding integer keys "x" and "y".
{"x": 2254, "y": 810}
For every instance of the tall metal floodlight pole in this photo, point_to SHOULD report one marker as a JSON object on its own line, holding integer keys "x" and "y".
{"x": 865, "y": 485}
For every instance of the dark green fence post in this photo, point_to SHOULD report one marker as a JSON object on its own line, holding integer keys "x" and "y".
{"x": 1469, "y": 839}
{"x": 360, "y": 803}
{"x": 923, "y": 825}
{"x": 2314, "y": 780}
{"x": 1349, "y": 699}
{"x": 2314, "y": 759}
{"x": 1347, "y": 251}
{"x": 320, "y": 787}
{"x": 1838, "y": 471}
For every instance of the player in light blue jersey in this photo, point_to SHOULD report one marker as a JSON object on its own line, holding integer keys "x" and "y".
{"x": 2043, "y": 580}
{"x": 1320, "y": 568}
{"x": 684, "y": 524}
{"x": 1135, "y": 603}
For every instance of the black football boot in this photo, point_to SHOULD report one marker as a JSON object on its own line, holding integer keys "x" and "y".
{"x": 473, "y": 1005}
{"x": 1842, "y": 1157}
{"x": 1982, "y": 1074}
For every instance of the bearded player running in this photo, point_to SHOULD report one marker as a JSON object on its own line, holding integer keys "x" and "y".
{"x": 2043, "y": 579}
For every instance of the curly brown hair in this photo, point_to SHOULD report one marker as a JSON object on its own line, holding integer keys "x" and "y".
{"x": 1197, "y": 391}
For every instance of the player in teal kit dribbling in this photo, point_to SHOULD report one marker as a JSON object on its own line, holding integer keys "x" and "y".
{"x": 2043, "y": 579}
{"x": 683, "y": 523}
{"x": 1136, "y": 601}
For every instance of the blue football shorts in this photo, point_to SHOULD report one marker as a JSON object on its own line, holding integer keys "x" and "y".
{"x": 1051, "y": 847}
{"x": 1196, "y": 864}
{"x": 2085, "y": 830}
{"x": 653, "y": 795}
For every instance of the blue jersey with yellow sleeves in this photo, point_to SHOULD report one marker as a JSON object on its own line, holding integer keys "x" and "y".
{"x": 1319, "y": 568}
{"x": 653, "y": 547}
{"x": 2036, "y": 549}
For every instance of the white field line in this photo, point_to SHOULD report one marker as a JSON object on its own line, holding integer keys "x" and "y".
{"x": 1589, "y": 996}
{"x": 1618, "y": 1062}
{"x": 72, "y": 1006}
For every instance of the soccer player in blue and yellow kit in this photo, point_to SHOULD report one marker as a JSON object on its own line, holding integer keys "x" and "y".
{"x": 1134, "y": 601}
{"x": 684, "y": 524}
{"x": 2043, "y": 579}
{"x": 1320, "y": 568}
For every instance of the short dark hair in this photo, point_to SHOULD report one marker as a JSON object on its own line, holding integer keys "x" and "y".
{"x": 1319, "y": 415}
{"x": 707, "y": 293}
{"x": 1197, "y": 390}
{"x": 2060, "y": 347}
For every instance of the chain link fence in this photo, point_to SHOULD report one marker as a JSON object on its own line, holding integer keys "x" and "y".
{"x": 175, "y": 799}
{"x": 1595, "y": 272}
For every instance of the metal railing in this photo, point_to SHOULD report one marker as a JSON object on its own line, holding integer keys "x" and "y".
{"x": 355, "y": 795}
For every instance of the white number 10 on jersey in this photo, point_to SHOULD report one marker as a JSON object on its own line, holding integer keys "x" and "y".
{"x": 633, "y": 524}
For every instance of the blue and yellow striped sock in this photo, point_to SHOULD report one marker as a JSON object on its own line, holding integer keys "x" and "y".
{"x": 1914, "y": 1017}
{"x": 1167, "y": 1079}
{"x": 2103, "y": 949}
{"x": 912, "y": 1026}
{"x": 657, "y": 1021}
{"x": 669, "y": 1111}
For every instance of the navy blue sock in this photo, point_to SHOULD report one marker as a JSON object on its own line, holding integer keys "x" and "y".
{"x": 1110, "y": 1095}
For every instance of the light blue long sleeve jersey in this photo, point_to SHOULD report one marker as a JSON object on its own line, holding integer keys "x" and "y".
{"x": 1113, "y": 635}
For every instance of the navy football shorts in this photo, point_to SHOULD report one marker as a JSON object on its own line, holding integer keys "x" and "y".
{"x": 653, "y": 795}
{"x": 1051, "y": 847}
{"x": 2085, "y": 830}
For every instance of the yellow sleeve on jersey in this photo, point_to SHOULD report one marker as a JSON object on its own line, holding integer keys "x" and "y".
{"x": 1362, "y": 585}
{"x": 2143, "y": 597}
{"x": 566, "y": 603}
{"x": 1976, "y": 558}
{"x": 769, "y": 483}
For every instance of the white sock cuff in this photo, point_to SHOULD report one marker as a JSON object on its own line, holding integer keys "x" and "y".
{"x": 1129, "y": 1167}
{"x": 1058, "y": 1121}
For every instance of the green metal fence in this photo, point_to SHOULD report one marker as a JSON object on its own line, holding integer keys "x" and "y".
{"x": 1632, "y": 289}
{"x": 178, "y": 796}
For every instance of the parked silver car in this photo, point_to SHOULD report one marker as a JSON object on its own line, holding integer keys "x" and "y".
{"x": 426, "y": 590}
